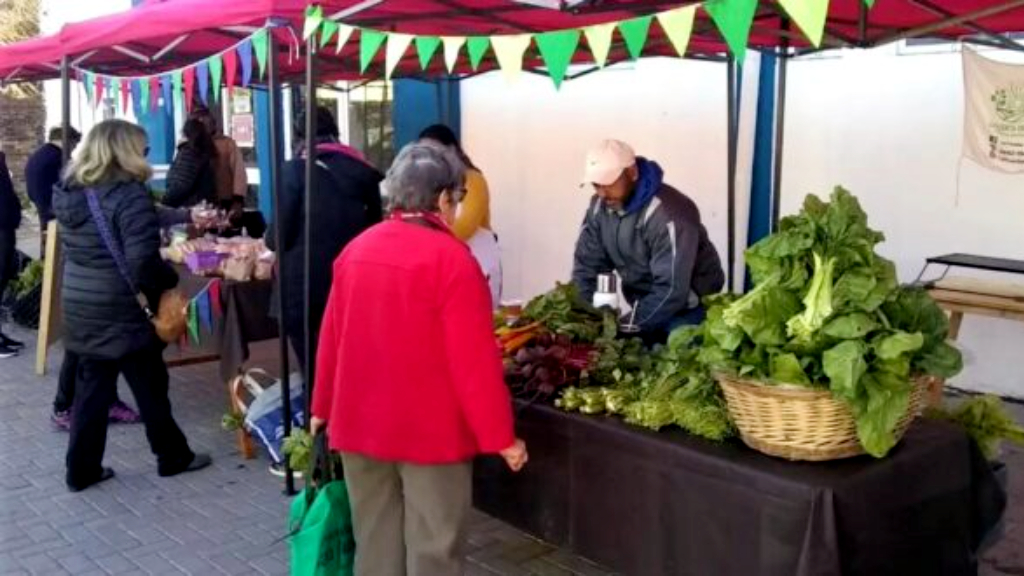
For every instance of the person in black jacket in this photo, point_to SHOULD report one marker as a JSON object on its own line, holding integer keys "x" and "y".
{"x": 347, "y": 202}
{"x": 43, "y": 170}
{"x": 10, "y": 219}
{"x": 104, "y": 323}
{"x": 191, "y": 179}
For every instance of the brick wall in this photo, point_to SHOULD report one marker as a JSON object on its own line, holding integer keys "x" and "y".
{"x": 21, "y": 132}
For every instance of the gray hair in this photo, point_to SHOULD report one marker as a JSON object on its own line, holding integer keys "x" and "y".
{"x": 420, "y": 174}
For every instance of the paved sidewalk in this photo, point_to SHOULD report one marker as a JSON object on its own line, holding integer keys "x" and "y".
{"x": 230, "y": 518}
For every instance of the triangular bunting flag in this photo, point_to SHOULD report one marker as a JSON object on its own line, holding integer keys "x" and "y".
{"x": 204, "y": 311}
{"x": 261, "y": 45}
{"x": 314, "y": 18}
{"x": 329, "y": 29}
{"x": 138, "y": 102}
{"x": 230, "y": 69}
{"x": 98, "y": 85}
{"x": 397, "y": 46}
{"x": 245, "y": 61}
{"x": 452, "y": 46}
{"x": 509, "y": 51}
{"x": 114, "y": 89}
{"x": 678, "y": 26}
{"x": 193, "y": 323}
{"x": 634, "y": 32}
{"x": 203, "y": 82}
{"x": 89, "y": 84}
{"x": 557, "y": 50}
{"x": 344, "y": 34}
{"x": 477, "y": 46}
{"x": 599, "y": 38}
{"x": 369, "y": 44}
{"x": 216, "y": 75}
{"x": 125, "y": 94}
{"x": 810, "y": 16}
{"x": 176, "y": 87}
{"x": 167, "y": 90}
{"x": 870, "y": 3}
{"x": 189, "y": 76}
{"x": 426, "y": 46}
{"x": 154, "y": 93}
{"x": 215, "y": 298}
{"x": 144, "y": 102}
{"x": 733, "y": 19}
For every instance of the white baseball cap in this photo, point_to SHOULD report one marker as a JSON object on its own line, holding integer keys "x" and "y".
{"x": 607, "y": 161}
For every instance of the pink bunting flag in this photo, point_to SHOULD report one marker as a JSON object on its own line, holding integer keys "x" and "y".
{"x": 154, "y": 92}
{"x": 125, "y": 92}
{"x": 189, "y": 80}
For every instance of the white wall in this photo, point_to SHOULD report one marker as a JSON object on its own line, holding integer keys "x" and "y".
{"x": 530, "y": 141}
{"x": 889, "y": 127}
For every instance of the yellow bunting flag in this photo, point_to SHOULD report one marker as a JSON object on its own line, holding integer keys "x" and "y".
{"x": 509, "y": 51}
{"x": 678, "y": 26}
{"x": 452, "y": 46}
{"x": 599, "y": 38}
{"x": 398, "y": 44}
{"x": 344, "y": 33}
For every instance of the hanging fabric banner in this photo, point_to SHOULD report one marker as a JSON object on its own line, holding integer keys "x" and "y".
{"x": 245, "y": 61}
{"x": 426, "y": 47}
{"x": 261, "y": 46}
{"x": 369, "y": 45}
{"x": 344, "y": 34}
{"x": 89, "y": 83}
{"x": 114, "y": 90}
{"x": 634, "y": 32}
{"x": 477, "y": 46}
{"x": 599, "y": 39}
{"x": 396, "y": 48}
{"x": 177, "y": 90}
{"x": 154, "y": 92}
{"x": 203, "y": 82}
{"x": 167, "y": 90}
{"x": 810, "y": 16}
{"x": 314, "y": 18}
{"x": 215, "y": 298}
{"x": 143, "y": 103}
{"x": 733, "y": 19}
{"x": 329, "y": 30}
{"x": 216, "y": 76}
{"x": 994, "y": 113}
{"x": 230, "y": 69}
{"x": 189, "y": 81}
{"x": 452, "y": 46}
{"x": 678, "y": 27}
{"x": 204, "y": 311}
{"x": 557, "y": 50}
{"x": 193, "y": 323}
{"x": 509, "y": 51}
{"x": 98, "y": 90}
{"x": 125, "y": 94}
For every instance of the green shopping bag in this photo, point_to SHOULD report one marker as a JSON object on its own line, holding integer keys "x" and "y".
{"x": 320, "y": 523}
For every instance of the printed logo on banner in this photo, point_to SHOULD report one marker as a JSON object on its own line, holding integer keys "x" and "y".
{"x": 994, "y": 115}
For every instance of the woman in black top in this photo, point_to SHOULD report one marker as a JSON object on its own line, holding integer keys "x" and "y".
{"x": 191, "y": 179}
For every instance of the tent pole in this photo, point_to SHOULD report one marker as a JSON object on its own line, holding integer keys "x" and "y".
{"x": 65, "y": 108}
{"x": 274, "y": 100}
{"x": 780, "y": 134}
{"x": 311, "y": 191}
{"x": 733, "y": 136}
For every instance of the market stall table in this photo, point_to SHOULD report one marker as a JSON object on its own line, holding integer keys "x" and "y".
{"x": 245, "y": 320}
{"x": 650, "y": 503}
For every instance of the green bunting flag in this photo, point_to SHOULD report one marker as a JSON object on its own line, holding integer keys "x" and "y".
{"x": 314, "y": 18}
{"x": 870, "y": 3}
{"x": 678, "y": 26}
{"x": 733, "y": 19}
{"x": 599, "y": 38}
{"x": 557, "y": 50}
{"x": 369, "y": 43}
{"x": 810, "y": 16}
{"x": 144, "y": 98}
{"x": 260, "y": 45}
{"x": 176, "y": 87}
{"x": 193, "y": 323}
{"x": 477, "y": 46}
{"x": 426, "y": 47}
{"x": 216, "y": 75}
{"x": 327, "y": 32}
{"x": 87, "y": 83}
{"x": 634, "y": 32}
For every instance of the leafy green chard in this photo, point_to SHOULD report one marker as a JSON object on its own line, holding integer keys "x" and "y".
{"x": 826, "y": 310}
{"x": 986, "y": 420}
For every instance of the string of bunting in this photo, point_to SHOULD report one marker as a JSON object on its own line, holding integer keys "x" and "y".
{"x": 558, "y": 48}
{"x": 203, "y": 309}
{"x": 178, "y": 87}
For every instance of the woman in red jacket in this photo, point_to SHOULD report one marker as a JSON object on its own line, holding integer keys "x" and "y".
{"x": 409, "y": 380}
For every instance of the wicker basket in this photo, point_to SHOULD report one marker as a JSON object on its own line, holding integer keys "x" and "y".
{"x": 804, "y": 424}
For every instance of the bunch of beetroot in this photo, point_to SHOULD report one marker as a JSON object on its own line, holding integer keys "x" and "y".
{"x": 547, "y": 365}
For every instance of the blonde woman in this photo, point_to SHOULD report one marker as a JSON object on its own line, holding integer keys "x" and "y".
{"x": 111, "y": 239}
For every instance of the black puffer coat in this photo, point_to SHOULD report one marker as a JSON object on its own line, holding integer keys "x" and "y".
{"x": 191, "y": 179}
{"x": 102, "y": 318}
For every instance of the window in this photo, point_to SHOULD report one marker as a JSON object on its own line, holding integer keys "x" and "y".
{"x": 370, "y": 128}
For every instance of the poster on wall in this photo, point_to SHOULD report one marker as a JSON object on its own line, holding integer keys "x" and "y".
{"x": 243, "y": 130}
{"x": 994, "y": 114}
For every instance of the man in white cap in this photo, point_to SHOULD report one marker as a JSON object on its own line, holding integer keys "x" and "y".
{"x": 651, "y": 234}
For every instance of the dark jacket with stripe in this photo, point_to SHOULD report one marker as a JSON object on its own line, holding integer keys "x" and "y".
{"x": 102, "y": 318}
{"x": 657, "y": 244}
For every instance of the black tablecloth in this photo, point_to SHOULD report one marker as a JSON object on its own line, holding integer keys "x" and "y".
{"x": 245, "y": 319}
{"x": 648, "y": 503}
